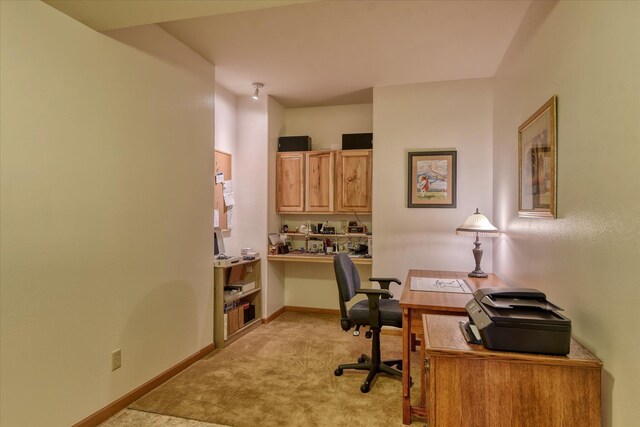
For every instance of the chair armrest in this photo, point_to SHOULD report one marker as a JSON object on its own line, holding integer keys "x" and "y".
{"x": 385, "y": 282}
{"x": 377, "y": 293}
{"x": 374, "y": 296}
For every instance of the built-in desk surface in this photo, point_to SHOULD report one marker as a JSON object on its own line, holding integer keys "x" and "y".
{"x": 309, "y": 257}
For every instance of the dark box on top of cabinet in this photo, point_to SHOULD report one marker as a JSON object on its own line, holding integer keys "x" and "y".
{"x": 294, "y": 143}
{"x": 357, "y": 141}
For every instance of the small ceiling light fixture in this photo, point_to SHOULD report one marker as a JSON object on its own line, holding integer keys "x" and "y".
{"x": 256, "y": 93}
{"x": 477, "y": 225}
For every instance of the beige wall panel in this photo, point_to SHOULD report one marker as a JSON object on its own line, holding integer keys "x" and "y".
{"x": 325, "y": 125}
{"x": 424, "y": 117}
{"x": 106, "y": 211}
{"x": 588, "y": 54}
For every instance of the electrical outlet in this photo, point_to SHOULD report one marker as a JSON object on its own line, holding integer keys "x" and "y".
{"x": 116, "y": 359}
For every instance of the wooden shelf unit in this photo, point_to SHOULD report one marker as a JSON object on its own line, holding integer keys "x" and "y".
{"x": 253, "y": 297}
{"x": 337, "y": 237}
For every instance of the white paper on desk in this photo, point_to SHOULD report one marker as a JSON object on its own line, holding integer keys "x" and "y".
{"x": 228, "y": 193}
{"x": 216, "y": 218}
{"x": 429, "y": 284}
{"x": 219, "y": 177}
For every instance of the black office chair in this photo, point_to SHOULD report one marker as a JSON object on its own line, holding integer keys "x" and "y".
{"x": 376, "y": 311}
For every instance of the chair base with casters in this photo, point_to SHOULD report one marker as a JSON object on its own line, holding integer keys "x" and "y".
{"x": 372, "y": 364}
{"x": 376, "y": 311}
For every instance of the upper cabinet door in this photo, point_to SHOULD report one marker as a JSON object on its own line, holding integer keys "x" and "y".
{"x": 290, "y": 182}
{"x": 353, "y": 180}
{"x": 319, "y": 181}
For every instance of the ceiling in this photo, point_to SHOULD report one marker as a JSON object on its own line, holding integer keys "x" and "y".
{"x": 328, "y": 52}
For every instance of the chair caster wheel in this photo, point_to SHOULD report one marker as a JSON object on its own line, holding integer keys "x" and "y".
{"x": 337, "y": 372}
{"x": 365, "y": 388}
{"x": 361, "y": 359}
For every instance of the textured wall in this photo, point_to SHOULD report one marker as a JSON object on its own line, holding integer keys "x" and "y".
{"x": 587, "y": 53}
{"x": 423, "y": 117}
{"x": 106, "y": 211}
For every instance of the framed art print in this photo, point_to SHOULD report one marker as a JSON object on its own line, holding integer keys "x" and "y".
{"x": 432, "y": 179}
{"x": 537, "y": 163}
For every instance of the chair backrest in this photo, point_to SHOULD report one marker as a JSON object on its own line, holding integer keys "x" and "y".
{"x": 348, "y": 281}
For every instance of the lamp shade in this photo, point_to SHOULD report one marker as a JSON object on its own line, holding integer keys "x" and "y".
{"x": 478, "y": 225}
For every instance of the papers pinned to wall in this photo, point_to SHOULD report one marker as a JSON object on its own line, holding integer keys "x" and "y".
{"x": 230, "y": 219}
{"x": 227, "y": 193}
{"x": 216, "y": 218}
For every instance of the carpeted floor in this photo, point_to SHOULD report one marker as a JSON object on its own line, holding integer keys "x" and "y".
{"x": 281, "y": 374}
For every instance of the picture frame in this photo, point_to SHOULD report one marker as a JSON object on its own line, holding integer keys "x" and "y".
{"x": 537, "y": 159}
{"x": 431, "y": 182}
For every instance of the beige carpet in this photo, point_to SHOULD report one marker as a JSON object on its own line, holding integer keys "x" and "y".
{"x": 281, "y": 374}
{"x": 133, "y": 418}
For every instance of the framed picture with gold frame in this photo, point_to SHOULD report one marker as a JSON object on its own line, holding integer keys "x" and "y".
{"x": 432, "y": 179}
{"x": 537, "y": 141}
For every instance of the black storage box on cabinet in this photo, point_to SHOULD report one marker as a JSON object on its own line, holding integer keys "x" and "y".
{"x": 357, "y": 141}
{"x": 294, "y": 143}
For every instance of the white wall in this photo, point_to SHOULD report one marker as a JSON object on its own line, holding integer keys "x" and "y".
{"x": 226, "y": 134}
{"x": 251, "y": 179}
{"x": 586, "y": 260}
{"x": 275, "y": 270}
{"x": 226, "y": 120}
{"x": 424, "y": 117}
{"x": 106, "y": 212}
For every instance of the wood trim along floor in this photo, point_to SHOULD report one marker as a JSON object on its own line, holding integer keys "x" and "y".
{"x": 273, "y": 316}
{"x": 118, "y": 405}
{"x": 385, "y": 331}
{"x": 312, "y": 310}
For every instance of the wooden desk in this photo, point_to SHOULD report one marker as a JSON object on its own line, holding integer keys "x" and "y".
{"x": 471, "y": 386}
{"x": 416, "y": 303}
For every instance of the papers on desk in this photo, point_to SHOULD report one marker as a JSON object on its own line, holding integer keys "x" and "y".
{"x": 428, "y": 284}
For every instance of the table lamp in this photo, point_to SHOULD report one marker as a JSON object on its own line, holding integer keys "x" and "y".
{"x": 478, "y": 225}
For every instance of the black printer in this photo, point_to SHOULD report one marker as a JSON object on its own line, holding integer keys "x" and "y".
{"x": 517, "y": 319}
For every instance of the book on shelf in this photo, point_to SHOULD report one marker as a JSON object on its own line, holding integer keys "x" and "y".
{"x": 233, "y": 320}
{"x": 242, "y": 286}
{"x": 236, "y": 274}
{"x": 225, "y": 323}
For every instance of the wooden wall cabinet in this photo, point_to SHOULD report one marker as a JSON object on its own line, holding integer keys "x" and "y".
{"x": 353, "y": 181}
{"x": 324, "y": 181}
{"x": 290, "y": 183}
{"x": 319, "y": 181}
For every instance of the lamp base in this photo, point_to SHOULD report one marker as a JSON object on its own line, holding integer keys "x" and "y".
{"x": 477, "y": 255}
{"x": 478, "y": 273}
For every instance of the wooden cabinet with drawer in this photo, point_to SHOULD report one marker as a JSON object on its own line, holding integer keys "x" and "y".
{"x": 469, "y": 385}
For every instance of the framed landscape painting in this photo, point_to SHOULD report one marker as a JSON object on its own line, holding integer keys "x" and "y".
{"x": 432, "y": 179}
{"x": 537, "y": 163}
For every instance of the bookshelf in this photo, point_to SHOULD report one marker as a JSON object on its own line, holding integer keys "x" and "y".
{"x": 237, "y": 313}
